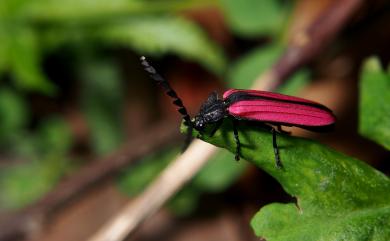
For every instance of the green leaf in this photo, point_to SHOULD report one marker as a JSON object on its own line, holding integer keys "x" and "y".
{"x": 295, "y": 83}
{"x": 13, "y": 114}
{"x": 46, "y": 161}
{"x": 25, "y": 61}
{"x": 11, "y": 7}
{"x": 216, "y": 176}
{"x": 54, "y": 136}
{"x": 25, "y": 183}
{"x": 86, "y": 10}
{"x": 338, "y": 197}
{"x": 245, "y": 70}
{"x": 251, "y": 18}
{"x": 374, "y": 109}
{"x": 162, "y": 35}
{"x": 4, "y": 51}
{"x": 102, "y": 101}
{"x": 248, "y": 68}
{"x": 142, "y": 25}
{"x": 135, "y": 179}
{"x": 185, "y": 201}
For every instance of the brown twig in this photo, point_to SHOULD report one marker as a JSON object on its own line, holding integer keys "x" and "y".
{"x": 307, "y": 43}
{"x": 172, "y": 179}
{"x": 31, "y": 220}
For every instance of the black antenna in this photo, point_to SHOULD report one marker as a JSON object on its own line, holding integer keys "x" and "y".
{"x": 167, "y": 88}
{"x": 170, "y": 92}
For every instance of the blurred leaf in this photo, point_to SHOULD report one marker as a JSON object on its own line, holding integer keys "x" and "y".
{"x": 338, "y": 197}
{"x": 102, "y": 100}
{"x": 25, "y": 182}
{"x": 11, "y": 8}
{"x": 25, "y": 57}
{"x": 185, "y": 201}
{"x": 248, "y": 68}
{"x": 244, "y": 71}
{"x": 21, "y": 47}
{"x": 136, "y": 178}
{"x": 4, "y": 51}
{"x": 13, "y": 114}
{"x": 54, "y": 136}
{"x": 251, "y": 18}
{"x": 86, "y": 10}
{"x": 217, "y": 176}
{"x": 162, "y": 35}
{"x": 295, "y": 83}
{"x": 374, "y": 110}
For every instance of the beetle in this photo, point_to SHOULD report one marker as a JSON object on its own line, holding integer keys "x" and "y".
{"x": 272, "y": 109}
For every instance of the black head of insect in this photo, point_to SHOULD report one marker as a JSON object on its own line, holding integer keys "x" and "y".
{"x": 211, "y": 111}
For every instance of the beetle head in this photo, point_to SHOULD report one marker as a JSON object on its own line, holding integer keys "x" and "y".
{"x": 199, "y": 123}
{"x": 212, "y": 111}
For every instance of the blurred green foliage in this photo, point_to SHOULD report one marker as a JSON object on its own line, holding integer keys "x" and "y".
{"x": 249, "y": 66}
{"x": 30, "y": 31}
{"x": 135, "y": 179}
{"x": 153, "y": 35}
{"x": 102, "y": 97}
{"x": 374, "y": 108}
{"x": 42, "y": 160}
{"x": 252, "y": 18}
{"x": 13, "y": 114}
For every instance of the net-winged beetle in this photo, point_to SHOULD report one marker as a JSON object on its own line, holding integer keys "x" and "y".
{"x": 266, "y": 107}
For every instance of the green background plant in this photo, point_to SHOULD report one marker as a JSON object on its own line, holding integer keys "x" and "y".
{"x": 32, "y": 31}
{"x": 374, "y": 109}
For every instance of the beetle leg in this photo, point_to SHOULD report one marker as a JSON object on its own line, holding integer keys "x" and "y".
{"x": 282, "y": 131}
{"x": 216, "y": 127}
{"x": 238, "y": 145}
{"x": 276, "y": 150}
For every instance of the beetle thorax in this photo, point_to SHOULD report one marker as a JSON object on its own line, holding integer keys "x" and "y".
{"x": 213, "y": 110}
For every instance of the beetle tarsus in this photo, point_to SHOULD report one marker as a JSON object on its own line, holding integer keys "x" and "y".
{"x": 276, "y": 150}
{"x": 238, "y": 144}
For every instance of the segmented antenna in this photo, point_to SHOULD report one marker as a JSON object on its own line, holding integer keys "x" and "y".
{"x": 167, "y": 88}
{"x": 170, "y": 92}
